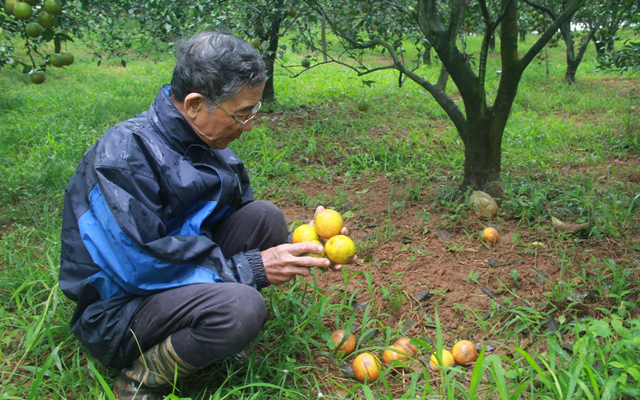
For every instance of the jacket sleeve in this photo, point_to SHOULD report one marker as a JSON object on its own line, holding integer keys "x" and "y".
{"x": 140, "y": 253}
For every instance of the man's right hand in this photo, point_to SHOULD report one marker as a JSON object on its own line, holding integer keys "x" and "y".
{"x": 282, "y": 263}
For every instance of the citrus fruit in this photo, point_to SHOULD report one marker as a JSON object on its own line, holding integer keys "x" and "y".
{"x": 366, "y": 367}
{"x": 37, "y": 77}
{"x": 46, "y": 20}
{"x": 57, "y": 60}
{"x": 405, "y": 344}
{"x": 349, "y": 344}
{"x": 68, "y": 57}
{"x": 447, "y": 360}
{"x": 8, "y": 5}
{"x": 464, "y": 352}
{"x": 363, "y": 105}
{"x": 53, "y": 7}
{"x": 22, "y": 10}
{"x": 292, "y": 12}
{"x": 394, "y": 353}
{"x": 318, "y": 255}
{"x": 255, "y": 42}
{"x": 490, "y": 234}
{"x": 340, "y": 249}
{"x": 305, "y": 62}
{"x": 303, "y": 233}
{"x": 328, "y": 223}
{"x": 34, "y": 29}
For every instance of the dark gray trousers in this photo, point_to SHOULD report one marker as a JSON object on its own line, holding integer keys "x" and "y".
{"x": 209, "y": 322}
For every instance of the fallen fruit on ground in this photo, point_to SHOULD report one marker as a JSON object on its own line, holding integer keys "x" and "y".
{"x": 340, "y": 249}
{"x": 328, "y": 223}
{"x": 366, "y": 367}
{"x": 349, "y": 344}
{"x": 303, "y": 233}
{"x": 318, "y": 255}
{"x": 490, "y": 234}
{"x": 447, "y": 360}
{"x": 405, "y": 344}
{"x": 464, "y": 352}
{"x": 394, "y": 353}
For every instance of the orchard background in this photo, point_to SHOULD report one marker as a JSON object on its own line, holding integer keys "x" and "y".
{"x": 372, "y": 109}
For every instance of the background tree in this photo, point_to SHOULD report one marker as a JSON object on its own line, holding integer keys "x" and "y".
{"x": 34, "y": 23}
{"x": 396, "y": 22}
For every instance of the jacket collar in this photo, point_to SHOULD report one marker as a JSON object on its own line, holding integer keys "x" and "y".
{"x": 170, "y": 123}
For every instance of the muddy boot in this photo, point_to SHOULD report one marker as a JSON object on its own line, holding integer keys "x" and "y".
{"x": 149, "y": 375}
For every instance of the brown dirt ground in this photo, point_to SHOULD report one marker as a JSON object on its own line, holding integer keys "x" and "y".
{"x": 448, "y": 255}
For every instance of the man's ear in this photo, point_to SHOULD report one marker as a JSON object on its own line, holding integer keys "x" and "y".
{"x": 193, "y": 103}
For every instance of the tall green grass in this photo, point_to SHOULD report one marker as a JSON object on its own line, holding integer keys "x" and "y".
{"x": 560, "y": 151}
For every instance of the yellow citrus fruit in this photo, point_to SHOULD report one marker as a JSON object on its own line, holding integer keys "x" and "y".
{"x": 340, "y": 249}
{"x": 328, "y": 223}
{"x": 405, "y": 344}
{"x": 304, "y": 233}
{"x": 318, "y": 255}
{"x": 464, "y": 352}
{"x": 394, "y": 353}
{"x": 447, "y": 360}
{"x": 490, "y": 234}
{"x": 366, "y": 367}
{"x": 349, "y": 344}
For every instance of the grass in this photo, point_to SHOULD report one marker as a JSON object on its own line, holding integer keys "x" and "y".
{"x": 569, "y": 152}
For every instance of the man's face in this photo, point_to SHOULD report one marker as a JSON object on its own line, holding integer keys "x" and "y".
{"x": 217, "y": 129}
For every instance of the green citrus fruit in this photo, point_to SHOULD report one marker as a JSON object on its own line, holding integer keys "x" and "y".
{"x": 68, "y": 57}
{"x": 37, "y": 77}
{"x": 22, "y": 10}
{"x": 255, "y": 42}
{"x": 306, "y": 62}
{"x": 292, "y": 12}
{"x": 363, "y": 105}
{"x": 52, "y": 7}
{"x": 46, "y": 20}
{"x": 8, "y": 5}
{"x": 57, "y": 60}
{"x": 34, "y": 29}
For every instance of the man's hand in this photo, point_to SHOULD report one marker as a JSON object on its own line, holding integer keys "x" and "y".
{"x": 282, "y": 263}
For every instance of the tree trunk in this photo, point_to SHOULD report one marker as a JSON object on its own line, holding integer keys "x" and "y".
{"x": 482, "y": 153}
{"x": 269, "y": 57}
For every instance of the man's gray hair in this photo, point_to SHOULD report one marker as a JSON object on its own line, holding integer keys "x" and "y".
{"x": 217, "y": 65}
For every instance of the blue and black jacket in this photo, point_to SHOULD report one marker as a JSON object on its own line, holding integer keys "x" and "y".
{"x": 136, "y": 214}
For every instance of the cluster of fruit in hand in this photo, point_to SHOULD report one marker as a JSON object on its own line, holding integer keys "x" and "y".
{"x": 327, "y": 224}
{"x": 366, "y": 366}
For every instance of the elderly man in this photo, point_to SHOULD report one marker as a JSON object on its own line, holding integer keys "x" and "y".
{"x": 163, "y": 247}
